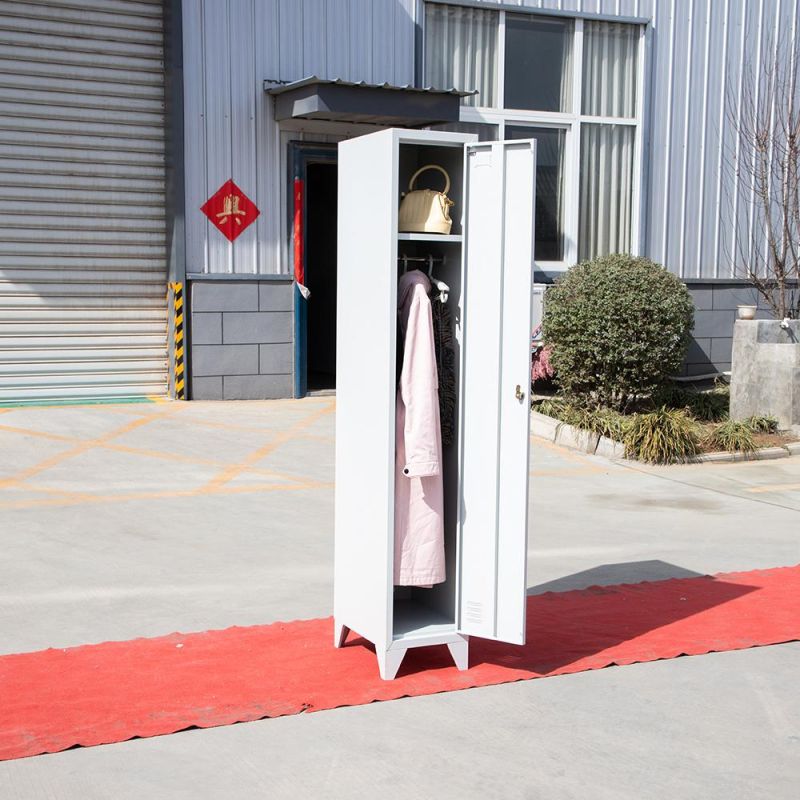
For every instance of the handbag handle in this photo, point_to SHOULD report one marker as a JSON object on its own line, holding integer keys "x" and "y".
{"x": 430, "y": 166}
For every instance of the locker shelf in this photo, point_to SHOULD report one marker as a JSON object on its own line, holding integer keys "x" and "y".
{"x": 430, "y": 237}
{"x": 414, "y": 620}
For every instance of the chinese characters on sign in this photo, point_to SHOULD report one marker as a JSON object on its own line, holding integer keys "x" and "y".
{"x": 230, "y": 210}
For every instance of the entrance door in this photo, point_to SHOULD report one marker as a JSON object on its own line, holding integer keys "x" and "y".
{"x": 313, "y": 244}
{"x": 498, "y": 264}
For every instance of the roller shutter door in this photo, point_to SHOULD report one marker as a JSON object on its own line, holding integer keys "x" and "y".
{"x": 83, "y": 309}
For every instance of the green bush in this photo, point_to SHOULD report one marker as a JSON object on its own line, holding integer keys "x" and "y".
{"x": 664, "y": 436}
{"x": 619, "y": 326}
{"x": 761, "y": 424}
{"x": 733, "y": 436}
{"x": 710, "y": 406}
{"x": 604, "y": 421}
{"x": 550, "y": 408}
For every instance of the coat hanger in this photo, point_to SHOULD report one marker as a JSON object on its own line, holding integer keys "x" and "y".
{"x": 444, "y": 289}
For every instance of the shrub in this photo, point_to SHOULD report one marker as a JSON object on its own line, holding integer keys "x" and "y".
{"x": 550, "y": 408}
{"x": 760, "y": 424}
{"x": 618, "y": 326}
{"x": 663, "y": 436}
{"x": 541, "y": 368}
{"x": 604, "y": 421}
{"x": 709, "y": 406}
{"x": 733, "y": 436}
{"x": 672, "y": 396}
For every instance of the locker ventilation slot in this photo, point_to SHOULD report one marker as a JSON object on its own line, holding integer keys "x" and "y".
{"x": 474, "y": 612}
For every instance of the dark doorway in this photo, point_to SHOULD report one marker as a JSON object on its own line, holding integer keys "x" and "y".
{"x": 320, "y": 273}
{"x": 311, "y": 214}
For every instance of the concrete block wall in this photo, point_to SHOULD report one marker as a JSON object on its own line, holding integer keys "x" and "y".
{"x": 241, "y": 338}
{"x": 715, "y": 313}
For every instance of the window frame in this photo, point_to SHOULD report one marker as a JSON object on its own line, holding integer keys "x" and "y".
{"x": 570, "y": 120}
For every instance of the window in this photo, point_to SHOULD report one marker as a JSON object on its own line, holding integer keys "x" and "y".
{"x": 549, "y": 188}
{"x": 486, "y": 133}
{"x": 609, "y": 69}
{"x": 461, "y": 50}
{"x": 606, "y": 190}
{"x": 537, "y": 63}
{"x": 574, "y": 85}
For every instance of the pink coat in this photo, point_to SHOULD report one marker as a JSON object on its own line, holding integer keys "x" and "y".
{"x": 419, "y": 507}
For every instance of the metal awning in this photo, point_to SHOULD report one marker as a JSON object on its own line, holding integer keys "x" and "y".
{"x": 375, "y": 103}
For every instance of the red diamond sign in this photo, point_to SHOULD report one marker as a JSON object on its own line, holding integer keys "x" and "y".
{"x": 230, "y": 209}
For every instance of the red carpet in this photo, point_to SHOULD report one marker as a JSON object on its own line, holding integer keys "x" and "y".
{"x": 95, "y": 694}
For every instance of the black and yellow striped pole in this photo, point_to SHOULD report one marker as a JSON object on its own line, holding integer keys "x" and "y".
{"x": 177, "y": 308}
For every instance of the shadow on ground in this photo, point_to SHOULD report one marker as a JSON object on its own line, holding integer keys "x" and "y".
{"x": 607, "y": 574}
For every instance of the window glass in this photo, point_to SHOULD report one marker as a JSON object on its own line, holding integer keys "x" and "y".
{"x": 485, "y": 131}
{"x": 537, "y": 63}
{"x": 609, "y": 69}
{"x": 461, "y": 51}
{"x": 606, "y": 190}
{"x": 549, "y": 241}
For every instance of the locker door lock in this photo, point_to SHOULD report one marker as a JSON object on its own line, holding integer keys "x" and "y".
{"x": 519, "y": 394}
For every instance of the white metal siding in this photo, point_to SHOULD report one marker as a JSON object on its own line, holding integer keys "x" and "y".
{"x": 695, "y": 50}
{"x": 229, "y": 50}
{"x": 82, "y": 209}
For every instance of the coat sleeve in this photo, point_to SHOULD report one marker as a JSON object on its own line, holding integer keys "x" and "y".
{"x": 419, "y": 388}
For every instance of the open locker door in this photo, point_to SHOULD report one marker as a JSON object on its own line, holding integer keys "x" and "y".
{"x": 495, "y": 384}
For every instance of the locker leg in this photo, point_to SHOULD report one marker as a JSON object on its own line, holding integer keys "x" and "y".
{"x": 460, "y": 653}
{"x": 389, "y": 662}
{"x": 339, "y": 633}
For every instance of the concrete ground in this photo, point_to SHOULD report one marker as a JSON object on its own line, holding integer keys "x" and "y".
{"x": 138, "y": 520}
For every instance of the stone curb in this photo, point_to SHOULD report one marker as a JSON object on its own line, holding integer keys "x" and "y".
{"x": 574, "y": 438}
{"x": 764, "y": 454}
{"x": 577, "y": 439}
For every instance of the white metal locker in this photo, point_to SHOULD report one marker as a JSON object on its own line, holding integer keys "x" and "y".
{"x": 83, "y": 243}
{"x": 487, "y": 262}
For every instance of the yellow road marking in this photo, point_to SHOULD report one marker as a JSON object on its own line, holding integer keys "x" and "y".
{"x": 56, "y": 437}
{"x": 231, "y": 472}
{"x": 317, "y": 437}
{"x": 588, "y": 470}
{"x": 63, "y": 492}
{"x": 124, "y": 498}
{"x": 148, "y": 453}
{"x": 80, "y": 448}
{"x": 775, "y": 487}
{"x": 570, "y": 455}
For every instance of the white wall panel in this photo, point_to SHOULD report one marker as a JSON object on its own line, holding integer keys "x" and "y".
{"x": 218, "y": 120}
{"x": 243, "y": 135}
{"x": 361, "y": 40}
{"x": 268, "y": 177}
{"x": 338, "y": 34}
{"x": 230, "y": 48}
{"x": 696, "y": 49}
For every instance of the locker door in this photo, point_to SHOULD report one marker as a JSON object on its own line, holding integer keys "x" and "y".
{"x": 495, "y": 383}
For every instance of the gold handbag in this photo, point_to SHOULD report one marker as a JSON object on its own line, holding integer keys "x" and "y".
{"x": 426, "y": 210}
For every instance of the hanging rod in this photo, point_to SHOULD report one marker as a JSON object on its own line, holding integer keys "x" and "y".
{"x": 425, "y": 259}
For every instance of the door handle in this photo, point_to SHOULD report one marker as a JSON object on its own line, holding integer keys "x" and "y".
{"x": 519, "y": 394}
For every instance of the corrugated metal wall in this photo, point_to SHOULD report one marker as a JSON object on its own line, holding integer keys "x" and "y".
{"x": 696, "y": 49}
{"x": 82, "y": 239}
{"x": 230, "y": 47}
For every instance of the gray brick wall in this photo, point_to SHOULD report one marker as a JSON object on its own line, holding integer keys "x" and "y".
{"x": 715, "y": 312}
{"x": 241, "y": 339}
{"x": 715, "y": 304}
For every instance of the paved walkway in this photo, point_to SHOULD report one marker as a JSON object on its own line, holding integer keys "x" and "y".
{"x": 138, "y": 520}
